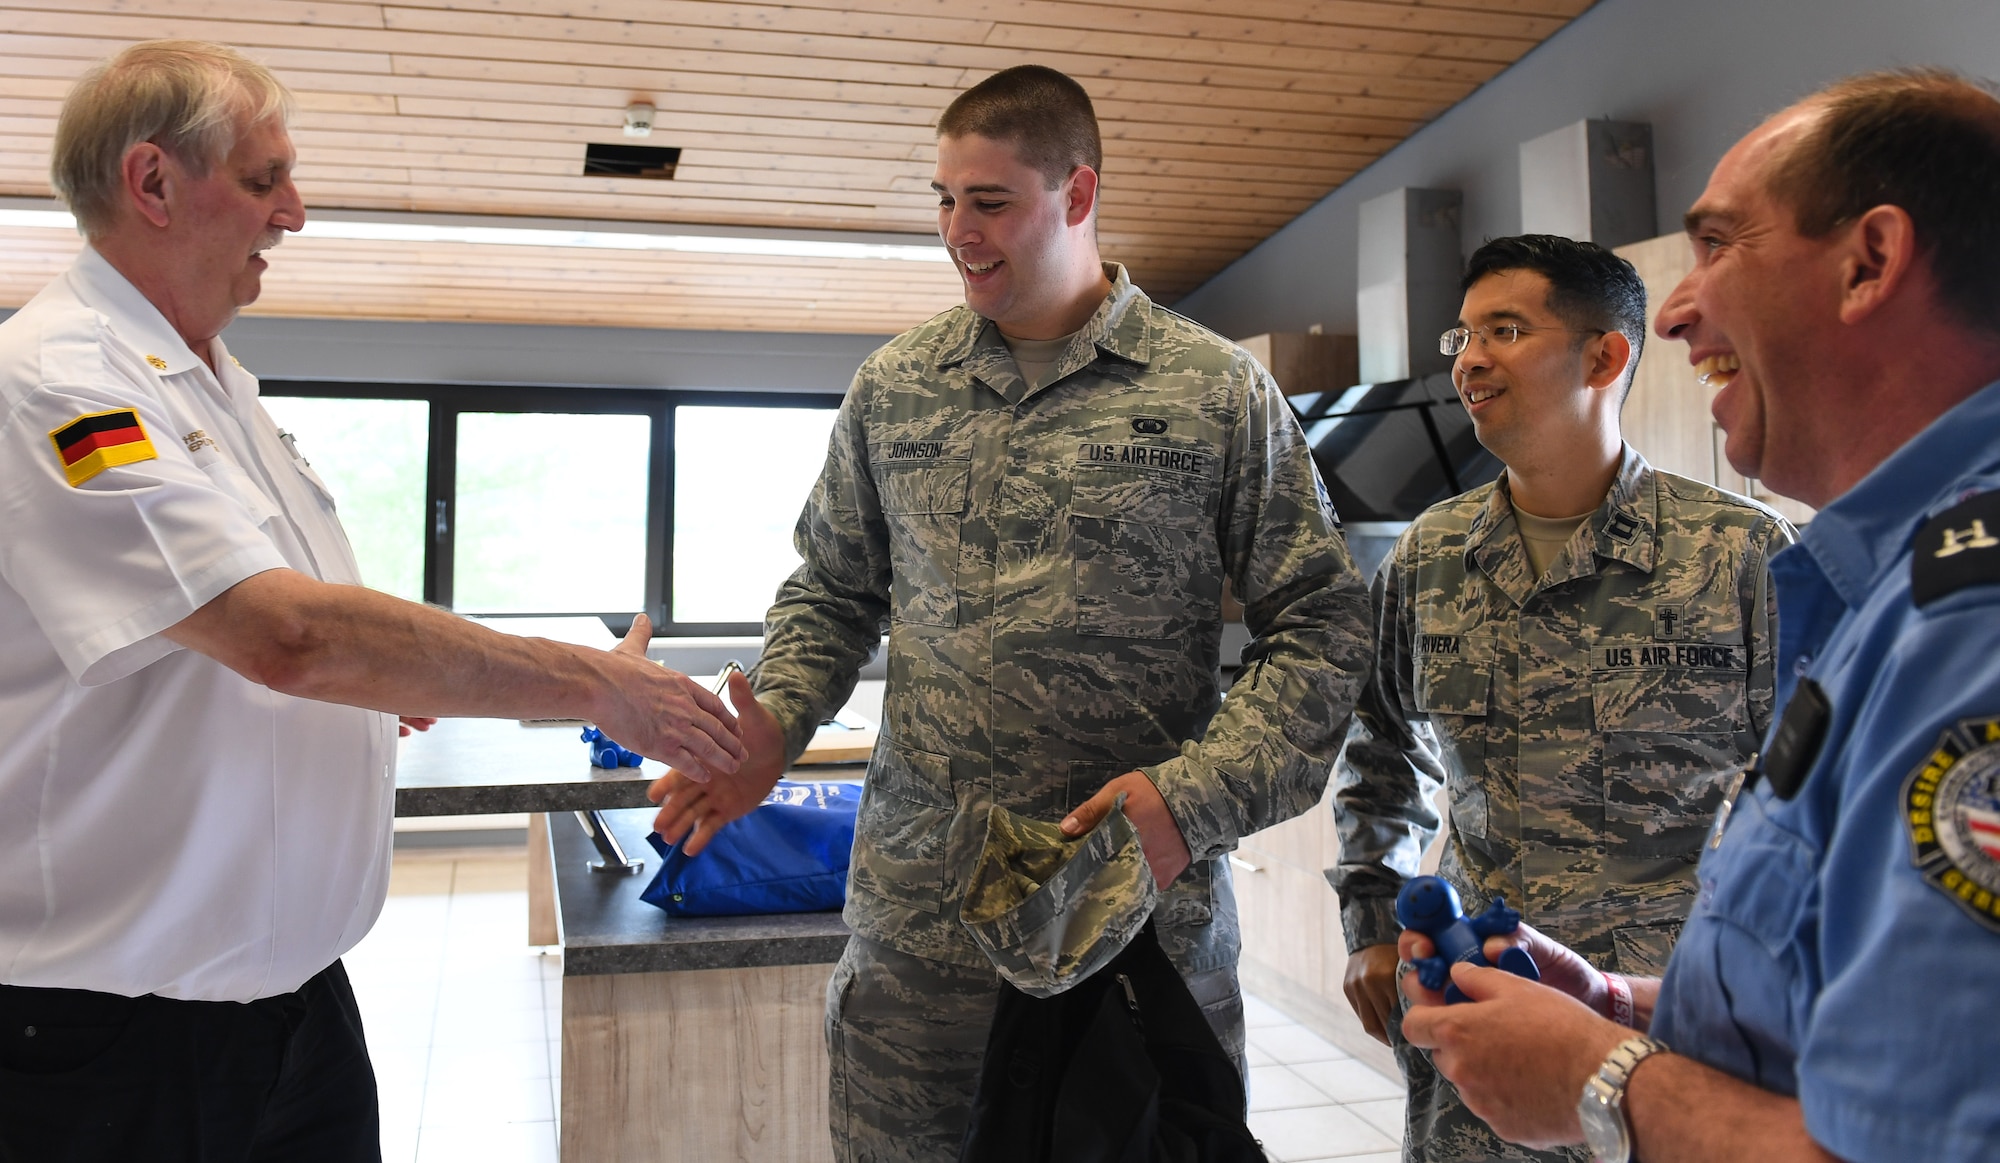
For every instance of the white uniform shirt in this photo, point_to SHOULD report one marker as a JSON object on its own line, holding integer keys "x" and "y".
{"x": 166, "y": 826}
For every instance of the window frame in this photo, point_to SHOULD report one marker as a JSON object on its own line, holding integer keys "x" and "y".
{"x": 448, "y": 401}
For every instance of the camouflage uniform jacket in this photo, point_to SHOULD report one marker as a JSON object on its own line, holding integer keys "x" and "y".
{"x": 1583, "y": 725}
{"x": 1049, "y": 564}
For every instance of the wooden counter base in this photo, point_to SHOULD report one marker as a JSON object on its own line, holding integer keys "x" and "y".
{"x": 692, "y": 1039}
{"x": 697, "y": 1065}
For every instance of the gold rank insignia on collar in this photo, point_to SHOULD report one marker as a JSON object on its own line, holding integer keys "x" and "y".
{"x": 158, "y": 363}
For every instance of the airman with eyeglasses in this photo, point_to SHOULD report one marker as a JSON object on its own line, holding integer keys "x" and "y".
{"x": 1562, "y": 576}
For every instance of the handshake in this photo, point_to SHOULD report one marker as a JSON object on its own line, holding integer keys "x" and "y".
{"x": 720, "y": 764}
{"x": 665, "y": 715}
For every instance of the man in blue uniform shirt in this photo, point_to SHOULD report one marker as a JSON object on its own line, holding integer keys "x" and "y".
{"x": 1831, "y": 993}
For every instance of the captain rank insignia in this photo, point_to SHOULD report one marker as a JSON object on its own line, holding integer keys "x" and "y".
{"x": 1956, "y": 549}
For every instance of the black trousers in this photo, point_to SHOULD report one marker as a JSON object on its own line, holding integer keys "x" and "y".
{"x": 90, "y": 1076}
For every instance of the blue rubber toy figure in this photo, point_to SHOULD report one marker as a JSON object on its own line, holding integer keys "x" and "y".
{"x": 605, "y": 753}
{"x": 1429, "y": 905}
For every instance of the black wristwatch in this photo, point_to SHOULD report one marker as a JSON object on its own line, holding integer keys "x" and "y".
{"x": 1602, "y": 1108}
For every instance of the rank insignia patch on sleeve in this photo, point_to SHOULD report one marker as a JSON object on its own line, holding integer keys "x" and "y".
{"x": 96, "y": 441}
{"x": 1959, "y": 547}
{"x": 1951, "y": 807}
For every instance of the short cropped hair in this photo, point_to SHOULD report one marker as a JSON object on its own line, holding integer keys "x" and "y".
{"x": 1043, "y": 114}
{"x": 1927, "y": 140}
{"x": 188, "y": 97}
{"x": 1590, "y": 289}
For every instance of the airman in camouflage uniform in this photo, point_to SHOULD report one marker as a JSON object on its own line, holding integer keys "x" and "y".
{"x": 1047, "y": 552}
{"x": 1583, "y": 724}
{"x": 1050, "y": 566}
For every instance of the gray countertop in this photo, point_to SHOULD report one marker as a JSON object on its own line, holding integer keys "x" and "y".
{"x": 464, "y": 767}
{"x": 606, "y": 928}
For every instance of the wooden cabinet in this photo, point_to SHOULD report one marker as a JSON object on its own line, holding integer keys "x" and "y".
{"x": 1666, "y": 416}
{"x": 1307, "y": 361}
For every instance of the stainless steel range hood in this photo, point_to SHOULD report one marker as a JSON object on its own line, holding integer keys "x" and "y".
{"x": 1390, "y": 451}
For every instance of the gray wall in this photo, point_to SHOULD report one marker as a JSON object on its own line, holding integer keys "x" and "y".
{"x": 485, "y": 353}
{"x": 1701, "y": 71}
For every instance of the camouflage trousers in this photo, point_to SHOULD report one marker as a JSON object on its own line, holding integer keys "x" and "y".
{"x": 905, "y": 1037}
{"x": 1437, "y": 1127}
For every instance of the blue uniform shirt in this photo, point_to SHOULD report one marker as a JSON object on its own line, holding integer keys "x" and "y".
{"x": 1822, "y": 959}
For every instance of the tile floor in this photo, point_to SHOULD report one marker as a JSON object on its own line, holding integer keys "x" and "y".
{"x": 463, "y": 1016}
{"x": 1310, "y": 1101}
{"x": 464, "y": 1022}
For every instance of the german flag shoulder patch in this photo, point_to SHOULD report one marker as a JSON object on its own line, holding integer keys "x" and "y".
{"x": 96, "y": 441}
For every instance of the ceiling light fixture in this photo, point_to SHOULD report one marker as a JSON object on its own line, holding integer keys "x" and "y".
{"x": 494, "y": 230}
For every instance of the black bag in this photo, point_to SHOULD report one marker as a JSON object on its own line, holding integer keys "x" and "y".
{"x": 1121, "y": 1068}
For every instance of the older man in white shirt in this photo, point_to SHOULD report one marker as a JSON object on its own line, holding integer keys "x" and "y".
{"x": 197, "y": 697}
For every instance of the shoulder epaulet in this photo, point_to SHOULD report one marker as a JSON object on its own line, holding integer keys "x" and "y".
{"x": 75, "y": 355}
{"x": 1959, "y": 547}
{"x": 1689, "y": 489}
{"x": 1462, "y": 508}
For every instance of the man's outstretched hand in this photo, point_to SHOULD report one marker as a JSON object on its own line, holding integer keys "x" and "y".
{"x": 665, "y": 715}
{"x": 698, "y": 810}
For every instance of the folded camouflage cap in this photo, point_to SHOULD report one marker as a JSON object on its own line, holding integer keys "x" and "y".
{"x": 1049, "y": 910}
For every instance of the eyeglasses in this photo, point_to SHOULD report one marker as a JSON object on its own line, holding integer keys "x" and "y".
{"x": 1501, "y": 335}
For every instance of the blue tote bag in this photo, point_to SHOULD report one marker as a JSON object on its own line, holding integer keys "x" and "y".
{"x": 788, "y": 855}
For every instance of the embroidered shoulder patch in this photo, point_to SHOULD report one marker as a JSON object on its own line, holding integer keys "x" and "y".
{"x": 1959, "y": 547}
{"x": 1951, "y": 807}
{"x": 96, "y": 441}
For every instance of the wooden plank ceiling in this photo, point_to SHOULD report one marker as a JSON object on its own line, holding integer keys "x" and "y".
{"x": 1222, "y": 122}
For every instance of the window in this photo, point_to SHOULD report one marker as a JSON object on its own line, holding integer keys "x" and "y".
{"x": 741, "y": 475}
{"x": 551, "y": 512}
{"x": 538, "y": 501}
{"x": 372, "y": 454}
